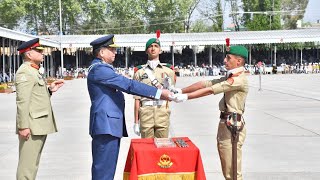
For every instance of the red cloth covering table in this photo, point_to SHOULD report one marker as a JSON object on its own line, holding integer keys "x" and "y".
{"x": 147, "y": 162}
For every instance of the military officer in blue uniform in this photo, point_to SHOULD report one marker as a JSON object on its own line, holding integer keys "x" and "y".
{"x": 107, "y": 118}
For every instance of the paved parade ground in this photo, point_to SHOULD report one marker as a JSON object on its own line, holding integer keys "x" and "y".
{"x": 283, "y": 131}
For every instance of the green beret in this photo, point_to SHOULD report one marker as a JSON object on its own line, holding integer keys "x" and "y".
{"x": 239, "y": 51}
{"x": 152, "y": 40}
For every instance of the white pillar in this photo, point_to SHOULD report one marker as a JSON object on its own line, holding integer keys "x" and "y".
{"x": 172, "y": 55}
{"x": 210, "y": 56}
{"x": 18, "y": 56}
{"x": 126, "y": 56}
{"x": 61, "y": 49}
{"x": 15, "y": 44}
{"x": 275, "y": 55}
{"x": 10, "y": 60}
{"x": 195, "y": 50}
{"x": 3, "y": 56}
{"x": 250, "y": 57}
{"x": 52, "y": 69}
{"x": 77, "y": 58}
{"x": 301, "y": 54}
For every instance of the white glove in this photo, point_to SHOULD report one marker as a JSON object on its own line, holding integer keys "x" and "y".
{"x": 176, "y": 90}
{"x": 178, "y": 98}
{"x": 136, "y": 129}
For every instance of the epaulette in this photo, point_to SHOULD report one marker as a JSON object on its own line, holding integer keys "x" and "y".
{"x": 168, "y": 65}
{"x": 137, "y": 68}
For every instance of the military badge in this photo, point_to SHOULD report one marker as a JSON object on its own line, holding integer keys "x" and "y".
{"x": 144, "y": 76}
{"x": 165, "y": 161}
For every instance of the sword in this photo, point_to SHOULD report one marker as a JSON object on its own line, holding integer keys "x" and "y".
{"x": 167, "y": 85}
{"x": 234, "y": 140}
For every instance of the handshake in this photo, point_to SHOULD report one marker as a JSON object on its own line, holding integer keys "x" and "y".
{"x": 178, "y": 97}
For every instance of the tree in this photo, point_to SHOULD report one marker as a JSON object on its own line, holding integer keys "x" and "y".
{"x": 163, "y": 14}
{"x": 261, "y": 14}
{"x": 95, "y": 19}
{"x": 200, "y": 26}
{"x": 296, "y": 9}
{"x": 212, "y": 10}
{"x": 235, "y": 15}
{"x": 42, "y": 16}
{"x": 127, "y": 16}
{"x": 186, "y": 8}
{"x": 11, "y": 13}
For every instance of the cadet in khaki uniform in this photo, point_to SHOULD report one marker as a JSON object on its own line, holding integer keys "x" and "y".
{"x": 34, "y": 112}
{"x": 235, "y": 89}
{"x": 154, "y": 115}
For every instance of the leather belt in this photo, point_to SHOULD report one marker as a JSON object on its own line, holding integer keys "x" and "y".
{"x": 153, "y": 103}
{"x": 227, "y": 115}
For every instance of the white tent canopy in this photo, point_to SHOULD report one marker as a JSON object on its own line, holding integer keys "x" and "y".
{"x": 138, "y": 41}
{"x": 199, "y": 39}
{"x": 19, "y": 36}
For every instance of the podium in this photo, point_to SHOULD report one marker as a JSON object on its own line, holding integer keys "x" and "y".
{"x": 147, "y": 162}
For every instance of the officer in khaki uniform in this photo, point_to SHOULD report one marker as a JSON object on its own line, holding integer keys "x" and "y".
{"x": 235, "y": 89}
{"x": 154, "y": 115}
{"x": 34, "y": 112}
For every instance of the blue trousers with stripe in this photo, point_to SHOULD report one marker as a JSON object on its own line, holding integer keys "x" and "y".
{"x": 105, "y": 151}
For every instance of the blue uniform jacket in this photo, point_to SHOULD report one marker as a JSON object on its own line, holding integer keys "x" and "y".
{"x": 105, "y": 88}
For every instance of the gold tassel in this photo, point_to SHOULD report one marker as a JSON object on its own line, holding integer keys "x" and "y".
{"x": 163, "y": 176}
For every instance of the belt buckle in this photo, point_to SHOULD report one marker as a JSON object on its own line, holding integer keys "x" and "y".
{"x": 155, "y": 103}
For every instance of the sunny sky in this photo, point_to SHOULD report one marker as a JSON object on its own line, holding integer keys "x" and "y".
{"x": 313, "y": 11}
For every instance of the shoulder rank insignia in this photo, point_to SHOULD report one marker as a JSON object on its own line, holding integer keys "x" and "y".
{"x": 165, "y": 161}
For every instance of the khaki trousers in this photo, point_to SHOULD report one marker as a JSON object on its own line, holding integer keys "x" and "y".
{"x": 29, "y": 156}
{"x": 225, "y": 150}
{"x": 154, "y": 121}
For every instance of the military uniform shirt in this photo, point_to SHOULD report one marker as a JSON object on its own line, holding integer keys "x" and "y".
{"x": 160, "y": 73}
{"x": 235, "y": 89}
{"x": 34, "y": 108}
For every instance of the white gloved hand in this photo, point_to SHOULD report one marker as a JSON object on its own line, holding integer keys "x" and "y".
{"x": 178, "y": 98}
{"x": 176, "y": 90}
{"x": 136, "y": 129}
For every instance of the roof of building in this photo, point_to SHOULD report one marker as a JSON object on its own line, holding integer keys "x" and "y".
{"x": 177, "y": 39}
{"x": 208, "y": 38}
{"x": 19, "y": 36}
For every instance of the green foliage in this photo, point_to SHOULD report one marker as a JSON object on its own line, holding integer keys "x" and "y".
{"x": 145, "y": 16}
{"x": 235, "y": 16}
{"x": 94, "y": 15}
{"x": 127, "y": 16}
{"x": 212, "y": 10}
{"x": 219, "y": 19}
{"x": 262, "y": 16}
{"x": 11, "y": 12}
{"x": 200, "y": 26}
{"x": 296, "y": 10}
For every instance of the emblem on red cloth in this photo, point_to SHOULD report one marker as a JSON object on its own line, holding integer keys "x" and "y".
{"x": 165, "y": 161}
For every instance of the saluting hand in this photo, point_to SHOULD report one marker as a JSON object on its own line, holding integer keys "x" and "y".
{"x": 24, "y": 133}
{"x": 55, "y": 85}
